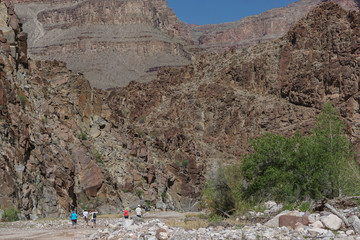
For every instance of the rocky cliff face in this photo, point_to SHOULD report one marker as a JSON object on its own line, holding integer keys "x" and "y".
{"x": 63, "y": 147}
{"x": 112, "y": 41}
{"x": 115, "y": 41}
{"x": 66, "y": 145}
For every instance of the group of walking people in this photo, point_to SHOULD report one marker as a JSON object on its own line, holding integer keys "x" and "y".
{"x": 93, "y": 215}
{"x": 86, "y": 215}
{"x": 138, "y": 212}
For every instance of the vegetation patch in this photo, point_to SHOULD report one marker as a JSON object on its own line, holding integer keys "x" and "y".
{"x": 82, "y": 136}
{"x": 288, "y": 169}
{"x": 98, "y": 157}
{"x": 23, "y": 100}
{"x": 10, "y": 215}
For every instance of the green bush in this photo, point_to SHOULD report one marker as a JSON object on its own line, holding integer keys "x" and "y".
{"x": 140, "y": 193}
{"x": 217, "y": 195}
{"x": 305, "y": 206}
{"x": 23, "y": 100}
{"x": 11, "y": 215}
{"x": 164, "y": 196}
{"x": 98, "y": 157}
{"x": 82, "y": 136}
{"x": 215, "y": 218}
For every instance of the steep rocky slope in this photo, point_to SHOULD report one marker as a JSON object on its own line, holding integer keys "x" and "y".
{"x": 66, "y": 145}
{"x": 112, "y": 41}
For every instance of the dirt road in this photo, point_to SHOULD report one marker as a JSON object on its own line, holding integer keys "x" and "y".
{"x": 62, "y": 229}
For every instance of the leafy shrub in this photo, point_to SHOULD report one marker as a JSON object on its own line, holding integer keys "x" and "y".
{"x": 11, "y": 215}
{"x": 164, "y": 196}
{"x": 184, "y": 163}
{"x": 305, "y": 206}
{"x": 23, "y": 100}
{"x": 289, "y": 206}
{"x": 82, "y": 136}
{"x": 215, "y": 218}
{"x": 98, "y": 157}
{"x": 217, "y": 195}
{"x": 140, "y": 193}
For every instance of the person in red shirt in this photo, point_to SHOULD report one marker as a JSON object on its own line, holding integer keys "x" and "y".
{"x": 126, "y": 213}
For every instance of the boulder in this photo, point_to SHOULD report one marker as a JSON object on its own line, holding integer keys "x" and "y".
{"x": 332, "y": 222}
{"x": 270, "y": 204}
{"x": 292, "y": 221}
{"x": 319, "y": 232}
{"x": 161, "y": 234}
{"x": 317, "y": 224}
{"x": 9, "y": 34}
{"x": 314, "y": 217}
{"x": 355, "y": 222}
{"x": 274, "y": 222}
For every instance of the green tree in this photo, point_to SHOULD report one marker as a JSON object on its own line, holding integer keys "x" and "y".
{"x": 217, "y": 195}
{"x": 301, "y": 167}
{"x": 268, "y": 172}
{"x": 334, "y": 151}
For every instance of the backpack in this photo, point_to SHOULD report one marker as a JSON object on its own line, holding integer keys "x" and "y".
{"x": 94, "y": 215}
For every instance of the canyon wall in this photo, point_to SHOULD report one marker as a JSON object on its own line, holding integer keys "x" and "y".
{"x": 116, "y": 41}
{"x": 66, "y": 145}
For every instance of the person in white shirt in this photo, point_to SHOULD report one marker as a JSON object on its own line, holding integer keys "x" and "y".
{"x": 138, "y": 211}
{"x": 93, "y": 218}
{"x": 86, "y": 217}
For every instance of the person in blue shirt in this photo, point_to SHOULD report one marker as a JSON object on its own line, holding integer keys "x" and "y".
{"x": 74, "y": 218}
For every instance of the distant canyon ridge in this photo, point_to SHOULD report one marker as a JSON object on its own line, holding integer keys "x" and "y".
{"x": 113, "y": 42}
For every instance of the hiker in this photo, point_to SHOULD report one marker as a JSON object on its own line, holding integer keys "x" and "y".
{"x": 93, "y": 218}
{"x": 86, "y": 217}
{"x": 74, "y": 218}
{"x": 138, "y": 211}
{"x": 126, "y": 213}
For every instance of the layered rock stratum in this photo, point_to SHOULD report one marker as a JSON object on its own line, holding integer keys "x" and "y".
{"x": 116, "y": 41}
{"x": 111, "y": 41}
{"x": 66, "y": 145}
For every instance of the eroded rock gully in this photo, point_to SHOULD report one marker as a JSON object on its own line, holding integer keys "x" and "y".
{"x": 65, "y": 144}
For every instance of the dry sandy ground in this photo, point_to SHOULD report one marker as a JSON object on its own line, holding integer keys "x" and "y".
{"x": 54, "y": 234}
{"x": 62, "y": 229}
{"x": 42, "y": 234}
